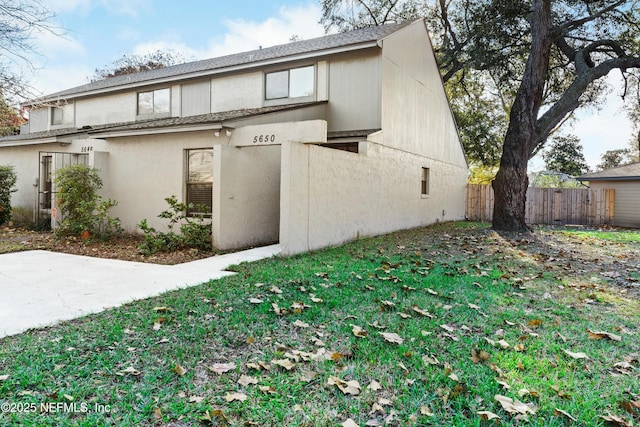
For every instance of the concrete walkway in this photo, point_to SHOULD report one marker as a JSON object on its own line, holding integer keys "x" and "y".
{"x": 38, "y": 288}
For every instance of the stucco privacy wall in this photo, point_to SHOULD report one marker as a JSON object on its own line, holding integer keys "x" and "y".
{"x": 330, "y": 196}
{"x": 247, "y": 173}
{"x": 246, "y": 196}
{"x": 627, "y": 201}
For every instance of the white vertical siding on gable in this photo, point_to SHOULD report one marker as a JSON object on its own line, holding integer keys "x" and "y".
{"x": 106, "y": 109}
{"x": 354, "y": 92}
{"x": 416, "y": 116}
{"x": 236, "y": 92}
{"x": 196, "y": 98}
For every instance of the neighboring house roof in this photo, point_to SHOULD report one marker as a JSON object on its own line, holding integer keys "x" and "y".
{"x": 216, "y": 119}
{"x": 626, "y": 173}
{"x": 357, "y": 39}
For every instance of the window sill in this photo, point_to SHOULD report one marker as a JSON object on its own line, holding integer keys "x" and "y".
{"x": 153, "y": 116}
{"x": 286, "y": 101}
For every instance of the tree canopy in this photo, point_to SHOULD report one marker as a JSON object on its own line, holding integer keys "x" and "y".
{"x": 129, "y": 64}
{"x": 565, "y": 155}
{"x": 20, "y": 21}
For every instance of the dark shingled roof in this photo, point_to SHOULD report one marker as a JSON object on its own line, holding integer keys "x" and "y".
{"x": 319, "y": 44}
{"x": 202, "y": 119}
{"x": 627, "y": 172}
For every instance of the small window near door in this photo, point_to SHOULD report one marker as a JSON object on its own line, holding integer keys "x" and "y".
{"x": 199, "y": 185}
{"x": 425, "y": 181}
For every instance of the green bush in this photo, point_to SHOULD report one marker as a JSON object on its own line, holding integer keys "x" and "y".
{"x": 195, "y": 232}
{"x": 82, "y": 209}
{"x": 7, "y": 186}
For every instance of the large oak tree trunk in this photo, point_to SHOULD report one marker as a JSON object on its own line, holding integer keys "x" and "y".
{"x": 510, "y": 185}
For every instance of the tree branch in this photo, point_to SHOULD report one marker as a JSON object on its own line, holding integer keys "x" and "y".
{"x": 569, "y": 100}
{"x": 572, "y": 25}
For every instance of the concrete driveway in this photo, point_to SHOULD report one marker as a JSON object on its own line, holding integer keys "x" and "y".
{"x": 38, "y": 288}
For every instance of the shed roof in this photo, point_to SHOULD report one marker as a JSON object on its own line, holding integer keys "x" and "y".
{"x": 218, "y": 119}
{"x": 627, "y": 173}
{"x": 317, "y": 46}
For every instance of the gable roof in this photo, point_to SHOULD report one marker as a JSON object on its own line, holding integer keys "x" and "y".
{"x": 176, "y": 124}
{"x": 627, "y": 172}
{"x": 342, "y": 42}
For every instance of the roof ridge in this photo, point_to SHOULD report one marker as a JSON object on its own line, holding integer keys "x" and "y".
{"x": 279, "y": 51}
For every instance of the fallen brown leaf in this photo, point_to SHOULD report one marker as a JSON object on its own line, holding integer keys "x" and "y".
{"x": 347, "y": 387}
{"x": 350, "y": 423}
{"x": 246, "y": 380}
{"x": 616, "y": 421}
{"x": 425, "y": 410}
{"x": 515, "y": 406}
{"x": 284, "y": 363}
{"x": 358, "y": 331}
{"x": 391, "y": 337}
{"x": 559, "y": 412}
{"x": 488, "y": 416}
{"x": 578, "y": 355}
{"x": 597, "y": 335}
{"x": 178, "y": 369}
{"x": 221, "y": 368}
{"x": 230, "y": 397}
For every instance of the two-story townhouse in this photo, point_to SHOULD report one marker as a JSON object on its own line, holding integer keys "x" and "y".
{"x": 309, "y": 144}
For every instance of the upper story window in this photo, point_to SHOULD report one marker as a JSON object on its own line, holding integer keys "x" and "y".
{"x": 293, "y": 83}
{"x": 57, "y": 115}
{"x": 154, "y": 102}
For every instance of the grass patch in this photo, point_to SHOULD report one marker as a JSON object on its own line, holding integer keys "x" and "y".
{"x": 618, "y": 236}
{"x": 451, "y": 292}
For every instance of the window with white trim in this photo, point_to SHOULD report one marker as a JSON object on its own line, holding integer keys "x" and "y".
{"x": 292, "y": 83}
{"x": 154, "y": 102}
{"x": 199, "y": 180}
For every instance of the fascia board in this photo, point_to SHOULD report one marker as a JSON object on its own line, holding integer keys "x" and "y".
{"x": 156, "y": 131}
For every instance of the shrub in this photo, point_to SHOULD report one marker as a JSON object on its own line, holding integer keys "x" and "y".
{"x": 195, "y": 231}
{"x": 83, "y": 211}
{"x": 7, "y": 186}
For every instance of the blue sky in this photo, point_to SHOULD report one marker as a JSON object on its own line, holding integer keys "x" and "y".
{"x": 98, "y": 32}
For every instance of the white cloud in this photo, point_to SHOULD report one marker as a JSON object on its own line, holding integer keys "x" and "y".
{"x": 242, "y": 35}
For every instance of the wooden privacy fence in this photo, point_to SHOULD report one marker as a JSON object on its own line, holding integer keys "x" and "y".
{"x": 556, "y": 206}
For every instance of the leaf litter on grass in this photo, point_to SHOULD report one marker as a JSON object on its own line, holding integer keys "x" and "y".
{"x": 444, "y": 363}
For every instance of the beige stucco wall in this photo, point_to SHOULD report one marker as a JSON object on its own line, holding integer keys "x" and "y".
{"x": 627, "y": 201}
{"x": 331, "y": 196}
{"x": 26, "y": 164}
{"x": 143, "y": 171}
{"x": 138, "y": 172}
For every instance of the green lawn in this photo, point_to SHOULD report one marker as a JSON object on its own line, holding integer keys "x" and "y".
{"x": 448, "y": 317}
